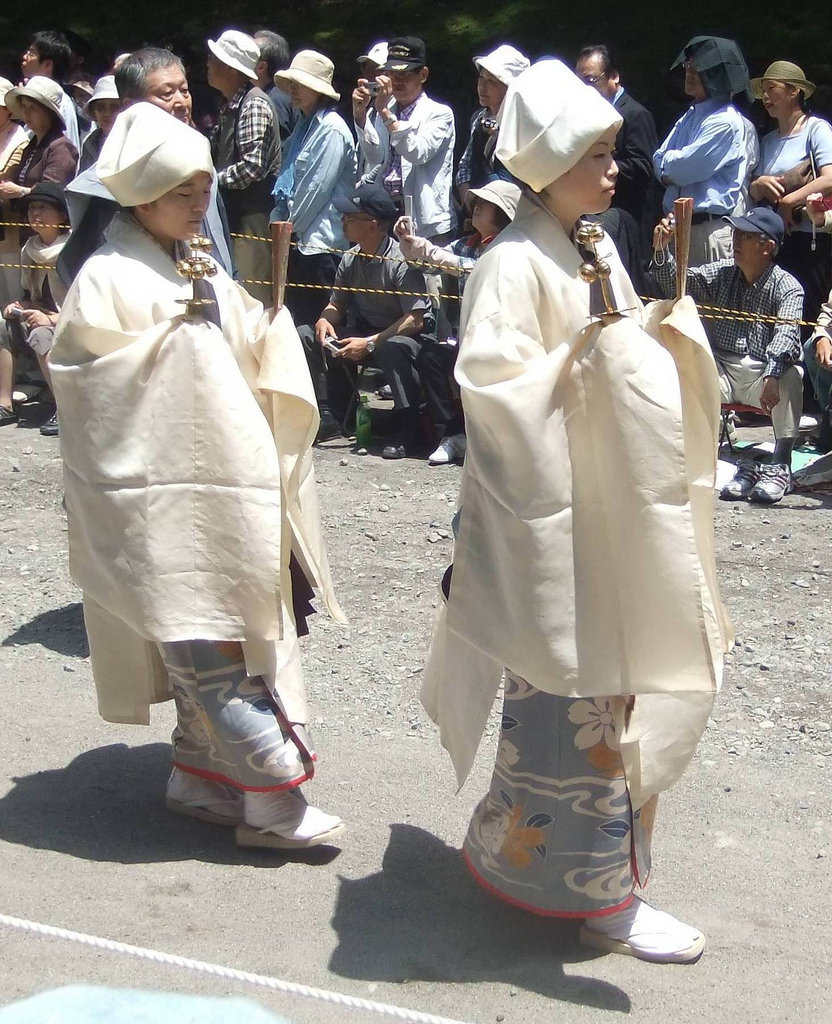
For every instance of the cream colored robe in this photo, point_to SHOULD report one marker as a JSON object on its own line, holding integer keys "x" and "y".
{"x": 585, "y": 560}
{"x": 188, "y": 473}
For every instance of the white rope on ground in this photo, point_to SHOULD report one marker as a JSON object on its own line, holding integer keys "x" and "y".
{"x": 263, "y": 980}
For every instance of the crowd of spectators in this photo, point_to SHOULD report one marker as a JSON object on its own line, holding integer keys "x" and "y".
{"x": 388, "y": 199}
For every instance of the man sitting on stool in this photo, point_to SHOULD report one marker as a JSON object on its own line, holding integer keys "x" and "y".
{"x": 755, "y": 358}
{"x": 385, "y": 330}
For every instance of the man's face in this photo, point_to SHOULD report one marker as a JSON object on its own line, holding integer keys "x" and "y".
{"x": 31, "y": 65}
{"x": 168, "y": 88}
{"x": 357, "y": 227}
{"x": 694, "y": 87}
{"x": 407, "y": 85}
{"x": 591, "y": 71}
{"x": 751, "y": 247}
{"x": 368, "y": 69}
{"x": 45, "y": 219}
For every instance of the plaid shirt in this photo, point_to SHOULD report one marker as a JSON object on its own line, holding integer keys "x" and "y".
{"x": 393, "y": 179}
{"x": 254, "y": 135}
{"x": 774, "y": 293}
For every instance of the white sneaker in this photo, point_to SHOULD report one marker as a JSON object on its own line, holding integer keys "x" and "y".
{"x": 645, "y": 933}
{"x": 204, "y": 799}
{"x": 450, "y": 449}
{"x": 285, "y": 820}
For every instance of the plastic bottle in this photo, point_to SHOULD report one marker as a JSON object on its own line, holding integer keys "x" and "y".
{"x": 363, "y": 422}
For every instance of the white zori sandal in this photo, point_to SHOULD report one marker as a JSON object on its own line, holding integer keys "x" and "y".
{"x": 285, "y": 821}
{"x": 645, "y": 933}
{"x": 204, "y": 799}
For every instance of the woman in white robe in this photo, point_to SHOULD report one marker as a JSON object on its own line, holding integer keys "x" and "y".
{"x": 583, "y": 565}
{"x": 193, "y": 525}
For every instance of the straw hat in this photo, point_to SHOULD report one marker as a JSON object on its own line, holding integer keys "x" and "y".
{"x": 105, "y": 89}
{"x": 786, "y": 72}
{"x": 311, "y": 69}
{"x": 47, "y": 92}
{"x": 238, "y": 51}
{"x": 550, "y": 119}
{"x": 503, "y": 194}
{"x": 5, "y": 87}
{"x": 148, "y": 153}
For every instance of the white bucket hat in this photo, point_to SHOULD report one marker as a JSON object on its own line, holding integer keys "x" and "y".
{"x": 505, "y": 63}
{"x": 148, "y": 153}
{"x": 5, "y": 87}
{"x": 311, "y": 69}
{"x": 503, "y": 194}
{"x": 105, "y": 89}
{"x": 549, "y": 120}
{"x": 46, "y": 91}
{"x": 238, "y": 51}
{"x": 377, "y": 54}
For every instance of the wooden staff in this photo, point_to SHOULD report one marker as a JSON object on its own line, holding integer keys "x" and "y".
{"x": 281, "y": 236}
{"x": 683, "y": 214}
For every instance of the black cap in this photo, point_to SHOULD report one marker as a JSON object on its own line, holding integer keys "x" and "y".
{"x": 374, "y": 200}
{"x": 46, "y": 192}
{"x": 407, "y": 53}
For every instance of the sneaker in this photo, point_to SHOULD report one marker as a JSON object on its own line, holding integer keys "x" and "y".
{"x": 745, "y": 479}
{"x": 7, "y": 416}
{"x": 50, "y": 427}
{"x": 394, "y": 451}
{"x": 645, "y": 933}
{"x": 775, "y": 483}
{"x": 285, "y": 821}
{"x": 204, "y": 799}
{"x": 450, "y": 449}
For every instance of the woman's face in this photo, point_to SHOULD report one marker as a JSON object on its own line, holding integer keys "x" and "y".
{"x": 590, "y": 185}
{"x": 483, "y": 218}
{"x": 303, "y": 98}
{"x": 490, "y": 91}
{"x": 36, "y": 116}
{"x": 45, "y": 219}
{"x": 780, "y": 99}
{"x": 177, "y": 215}
{"x": 5, "y": 116}
{"x": 104, "y": 113}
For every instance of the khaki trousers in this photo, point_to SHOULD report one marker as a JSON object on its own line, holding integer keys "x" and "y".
{"x": 254, "y": 258}
{"x": 741, "y": 380}
{"x": 710, "y": 241}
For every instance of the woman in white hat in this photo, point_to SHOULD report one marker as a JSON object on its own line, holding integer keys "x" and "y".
{"x": 795, "y": 161}
{"x": 583, "y": 565}
{"x": 479, "y": 163}
{"x": 13, "y": 142}
{"x": 189, "y": 487}
{"x": 50, "y": 156}
{"x": 103, "y": 108}
{"x": 319, "y": 166}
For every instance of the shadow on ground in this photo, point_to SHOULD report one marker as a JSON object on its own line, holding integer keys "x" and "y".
{"x": 59, "y": 629}
{"x": 109, "y": 805}
{"x": 423, "y": 918}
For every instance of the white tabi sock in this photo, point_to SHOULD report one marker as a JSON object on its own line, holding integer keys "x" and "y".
{"x": 287, "y": 814}
{"x": 644, "y": 932}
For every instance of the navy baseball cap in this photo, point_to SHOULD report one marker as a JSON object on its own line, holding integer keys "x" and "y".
{"x": 407, "y": 53}
{"x": 372, "y": 199}
{"x": 760, "y": 221}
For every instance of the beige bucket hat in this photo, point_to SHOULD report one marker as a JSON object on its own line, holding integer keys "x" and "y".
{"x": 238, "y": 51}
{"x": 47, "y": 92}
{"x": 311, "y": 69}
{"x": 783, "y": 71}
{"x": 503, "y": 194}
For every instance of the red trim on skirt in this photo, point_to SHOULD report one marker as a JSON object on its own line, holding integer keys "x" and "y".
{"x": 536, "y": 910}
{"x": 218, "y": 777}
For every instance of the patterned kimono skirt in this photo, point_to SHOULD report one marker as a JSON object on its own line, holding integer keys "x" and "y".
{"x": 556, "y": 833}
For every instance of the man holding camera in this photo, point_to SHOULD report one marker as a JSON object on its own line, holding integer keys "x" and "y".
{"x": 387, "y": 330}
{"x": 409, "y": 146}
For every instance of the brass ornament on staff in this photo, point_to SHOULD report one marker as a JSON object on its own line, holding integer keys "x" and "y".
{"x": 196, "y": 267}
{"x": 596, "y": 271}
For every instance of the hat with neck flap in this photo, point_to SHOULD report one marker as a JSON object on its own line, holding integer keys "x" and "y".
{"x": 548, "y": 121}
{"x": 148, "y": 153}
{"x": 719, "y": 63}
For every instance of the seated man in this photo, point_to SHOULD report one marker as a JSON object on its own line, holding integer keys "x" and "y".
{"x": 755, "y": 357}
{"x": 818, "y": 356}
{"x": 385, "y": 330}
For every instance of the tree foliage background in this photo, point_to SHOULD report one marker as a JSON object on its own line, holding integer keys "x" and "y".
{"x": 645, "y": 35}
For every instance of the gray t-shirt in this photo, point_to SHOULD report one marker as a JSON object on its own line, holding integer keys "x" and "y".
{"x": 377, "y": 312}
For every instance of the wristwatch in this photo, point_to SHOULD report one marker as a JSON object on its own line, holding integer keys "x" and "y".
{"x": 371, "y": 347}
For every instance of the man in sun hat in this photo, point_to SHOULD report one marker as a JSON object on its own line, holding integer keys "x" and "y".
{"x": 187, "y": 452}
{"x": 409, "y": 148}
{"x": 757, "y": 358}
{"x": 246, "y": 147}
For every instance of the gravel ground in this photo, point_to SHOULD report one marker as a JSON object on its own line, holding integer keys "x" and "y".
{"x": 743, "y": 844}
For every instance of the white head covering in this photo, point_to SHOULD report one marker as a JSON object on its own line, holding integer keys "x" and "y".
{"x": 238, "y": 51}
{"x": 377, "y": 54}
{"x": 503, "y": 194}
{"x": 549, "y": 120}
{"x": 105, "y": 89}
{"x": 148, "y": 153}
{"x": 505, "y": 63}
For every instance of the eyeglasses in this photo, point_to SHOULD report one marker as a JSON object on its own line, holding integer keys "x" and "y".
{"x": 356, "y": 216}
{"x": 592, "y": 79}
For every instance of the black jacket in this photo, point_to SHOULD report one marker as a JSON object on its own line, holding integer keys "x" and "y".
{"x": 635, "y": 144}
